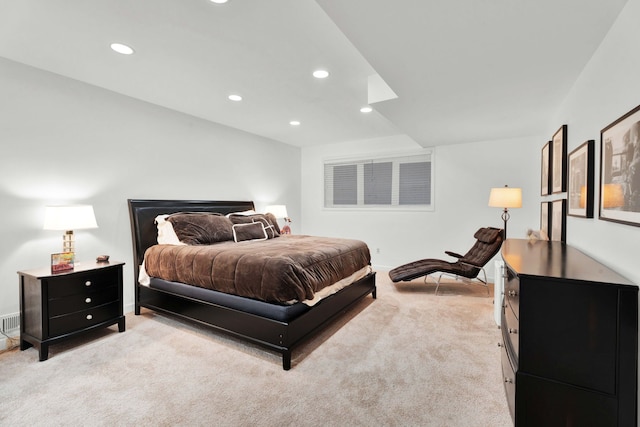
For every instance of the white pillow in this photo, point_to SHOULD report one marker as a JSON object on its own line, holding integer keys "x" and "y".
{"x": 249, "y": 212}
{"x": 166, "y": 233}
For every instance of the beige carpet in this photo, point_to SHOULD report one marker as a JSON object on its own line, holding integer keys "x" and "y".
{"x": 408, "y": 358}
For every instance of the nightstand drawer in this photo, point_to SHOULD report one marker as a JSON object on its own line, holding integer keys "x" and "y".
{"x": 80, "y": 283}
{"x": 82, "y": 301}
{"x": 73, "y": 322}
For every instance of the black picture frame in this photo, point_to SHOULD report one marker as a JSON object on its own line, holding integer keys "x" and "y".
{"x": 580, "y": 191}
{"x": 620, "y": 170}
{"x": 545, "y": 170}
{"x": 559, "y": 161}
{"x": 558, "y": 221}
{"x": 545, "y": 218}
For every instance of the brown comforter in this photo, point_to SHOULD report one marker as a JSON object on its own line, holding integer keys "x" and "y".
{"x": 290, "y": 267}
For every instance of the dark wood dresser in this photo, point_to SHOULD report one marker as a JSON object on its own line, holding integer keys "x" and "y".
{"x": 58, "y": 306}
{"x": 569, "y": 338}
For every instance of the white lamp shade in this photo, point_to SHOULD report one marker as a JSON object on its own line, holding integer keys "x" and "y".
{"x": 69, "y": 217}
{"x": 279, "y": 211}
{"x": 505, "y": 197}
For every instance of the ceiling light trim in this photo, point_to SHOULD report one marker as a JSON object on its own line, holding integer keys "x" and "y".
{"x": 320, "y": 74}
{"x": 122, "y": 48}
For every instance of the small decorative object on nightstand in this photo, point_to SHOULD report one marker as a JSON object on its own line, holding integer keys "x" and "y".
{"x": 58, "y": 306}
{"x": 280, "y": 211}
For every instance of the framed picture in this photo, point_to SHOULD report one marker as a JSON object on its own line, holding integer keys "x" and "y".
{"x": 545, "y": 181}
{"x": 545, "y": 217}
{"x": 558, "y": 220}
{"x": 62, "y": 262}
{"x": 559, "y": 161}
{"x": 620, "y": 170}
{"x": 581, "y": 180}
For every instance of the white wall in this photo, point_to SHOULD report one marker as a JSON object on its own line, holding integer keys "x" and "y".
{"x": 464, "y": 175}
{"x": 608, "y": 87}
{"x": 68, "y": 142}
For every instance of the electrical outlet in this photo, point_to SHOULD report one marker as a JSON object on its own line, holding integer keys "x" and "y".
{"x": 377, "y": 250}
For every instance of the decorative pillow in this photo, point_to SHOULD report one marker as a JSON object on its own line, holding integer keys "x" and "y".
{"x": 249, "y": 231}
{"x": 201, "y": 228}
{"x": 268, "y": 220}
{"x": 166, "y": 233}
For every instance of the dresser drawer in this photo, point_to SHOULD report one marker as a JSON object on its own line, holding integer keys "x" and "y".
{"x": 511, "y": 332}
{"x": 82, "y": 282}
{"x": 82, "y": 301}
{"x": 509, "y": 381}
{"x": 512, "y": 292}
{"x": 78, "y": 320}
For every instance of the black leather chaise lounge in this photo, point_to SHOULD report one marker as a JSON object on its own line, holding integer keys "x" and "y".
{"x": 467, "y": 266}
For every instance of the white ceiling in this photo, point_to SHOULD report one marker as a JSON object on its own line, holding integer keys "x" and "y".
{"x": 463, "y": 70}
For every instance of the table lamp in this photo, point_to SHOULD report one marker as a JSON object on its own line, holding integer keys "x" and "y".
{"x": 69, "y": 218}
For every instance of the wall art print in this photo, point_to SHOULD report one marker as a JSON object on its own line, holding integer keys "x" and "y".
{"x": 559, "y": 161}
{"x": 620, "y": 170}
{"x": 545, "y": 218}
{"x": 545, "y": 167}
{"x": 581, "y": 180}
{"x": 558, "y": 220}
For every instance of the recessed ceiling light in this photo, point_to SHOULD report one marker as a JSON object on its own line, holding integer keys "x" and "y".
{"x": 366, "y": 109}
{"x": 321, "y": 74}
{"x": 219, "y": 1}
{"x": 122, "y": 48}
{"x": 294, "y": 123}
{"x": 235, "y": 97}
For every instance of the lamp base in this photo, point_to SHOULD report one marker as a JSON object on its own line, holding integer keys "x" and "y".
{"x": 68, "y": 241}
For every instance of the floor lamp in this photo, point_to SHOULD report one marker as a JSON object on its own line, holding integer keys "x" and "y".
{"x": 505, "y": 197}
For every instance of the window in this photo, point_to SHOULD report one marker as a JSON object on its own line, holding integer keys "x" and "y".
{"x": 401, "y": 182}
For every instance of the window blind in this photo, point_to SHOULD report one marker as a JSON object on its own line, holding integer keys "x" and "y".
{"x": 386, "y": 182}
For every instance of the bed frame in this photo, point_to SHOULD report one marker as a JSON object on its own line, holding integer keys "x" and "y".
{"x": 275, "y": 335}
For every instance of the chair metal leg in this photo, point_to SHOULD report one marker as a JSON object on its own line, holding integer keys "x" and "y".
{"x": 478, "y": 281}
{"x": 437, "y": 282}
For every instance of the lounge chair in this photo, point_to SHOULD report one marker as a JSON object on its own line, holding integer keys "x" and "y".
{"x": 468, "y": 266}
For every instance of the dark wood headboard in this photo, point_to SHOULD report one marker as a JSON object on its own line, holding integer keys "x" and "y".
{"x": 142, "y": 214}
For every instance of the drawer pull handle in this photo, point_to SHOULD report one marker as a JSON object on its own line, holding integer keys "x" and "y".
{"x": 512, "y": 293}
{"x": 87, "y": 283}
{"x": 89, "y": 317}
{"x": 508, "y": 380}
{"x": 88, "y": 300}
{"x": 513, "y": 331}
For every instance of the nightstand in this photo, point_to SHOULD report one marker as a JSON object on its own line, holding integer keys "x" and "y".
{"x": 57, "y": 306}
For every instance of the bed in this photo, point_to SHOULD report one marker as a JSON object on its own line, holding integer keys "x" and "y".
{"x": 251, "y": 316}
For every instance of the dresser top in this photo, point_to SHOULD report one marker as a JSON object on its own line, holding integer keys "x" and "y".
{"x": 79, "y": 267}
{"x": 556, "y": 260}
